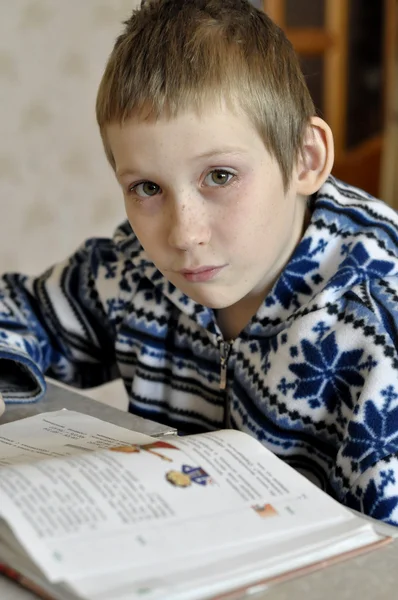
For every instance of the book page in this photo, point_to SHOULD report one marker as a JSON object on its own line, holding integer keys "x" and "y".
{"x": 59, "y": 433}
{"x": 108, "y": 508}
{"x": 206, "y": 576}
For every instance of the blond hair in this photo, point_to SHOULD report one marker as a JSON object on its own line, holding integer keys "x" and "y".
{"x": 175, "y": 55}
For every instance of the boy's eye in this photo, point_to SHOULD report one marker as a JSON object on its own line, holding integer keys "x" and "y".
{"x": 145, "y": 189}
{"x": 218, "y": 177}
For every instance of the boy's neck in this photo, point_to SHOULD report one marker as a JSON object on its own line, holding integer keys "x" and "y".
{"x": 233, "y": 319}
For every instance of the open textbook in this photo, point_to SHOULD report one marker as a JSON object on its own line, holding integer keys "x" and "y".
{"x": 93, "y": 511}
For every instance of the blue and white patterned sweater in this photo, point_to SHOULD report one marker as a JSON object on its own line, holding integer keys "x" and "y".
{"x": 314, "y": 375}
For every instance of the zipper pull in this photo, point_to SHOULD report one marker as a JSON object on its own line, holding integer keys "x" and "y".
{"x": 225, "y": 349}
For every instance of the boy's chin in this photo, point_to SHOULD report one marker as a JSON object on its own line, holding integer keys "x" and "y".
{"x": 210, "y": 298}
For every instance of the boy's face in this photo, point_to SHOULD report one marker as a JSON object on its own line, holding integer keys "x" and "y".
{"x": 206, "y": 200}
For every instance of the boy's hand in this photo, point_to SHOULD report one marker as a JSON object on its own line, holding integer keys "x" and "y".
{"x": 2, "y": 405}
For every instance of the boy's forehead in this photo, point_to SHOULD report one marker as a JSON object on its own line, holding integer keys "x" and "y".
{"x": 217, "y": 127}
{"x": 189, "y": 137}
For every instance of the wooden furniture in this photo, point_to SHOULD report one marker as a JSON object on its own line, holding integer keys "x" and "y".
{"x": 346, "y": 50}
{"x": 389, "y": 175}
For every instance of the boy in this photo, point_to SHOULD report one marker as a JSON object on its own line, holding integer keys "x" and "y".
{"x": 249, "y": 289}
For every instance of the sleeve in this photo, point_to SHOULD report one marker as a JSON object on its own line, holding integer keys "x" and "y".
{"x": 375, "y": 492}
{"x": 58, "y": 324}
{"x": 366, "y": 472}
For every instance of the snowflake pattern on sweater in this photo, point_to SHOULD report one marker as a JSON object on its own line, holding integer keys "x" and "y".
{"x": 313, "y": 376}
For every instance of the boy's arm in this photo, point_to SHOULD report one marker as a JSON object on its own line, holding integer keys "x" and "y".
{"x": 58, "y": 323}
{"x": 375, "y": 492}
{"x": 366, "y": 473}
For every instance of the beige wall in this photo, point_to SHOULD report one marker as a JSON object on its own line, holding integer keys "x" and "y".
{"x": 55, "y": 185}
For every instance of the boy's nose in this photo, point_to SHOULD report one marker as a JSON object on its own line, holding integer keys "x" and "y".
{"x": 189, "y": 225}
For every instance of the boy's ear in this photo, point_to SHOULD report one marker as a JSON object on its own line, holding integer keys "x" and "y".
{"x": 316, "y": 158}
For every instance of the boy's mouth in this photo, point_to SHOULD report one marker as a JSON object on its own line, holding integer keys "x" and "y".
{"x": 200, "y": 274}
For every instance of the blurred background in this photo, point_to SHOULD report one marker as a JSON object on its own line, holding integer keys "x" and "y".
{"x": 348, "y": 53}
{"x": 56, "y": 187}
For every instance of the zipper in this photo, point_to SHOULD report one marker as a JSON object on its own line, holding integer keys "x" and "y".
{"x": 225, "y": 351}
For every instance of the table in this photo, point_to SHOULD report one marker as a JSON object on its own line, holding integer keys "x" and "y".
{"x": 58, "y": 397}
{"x": 372, "y": 576}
